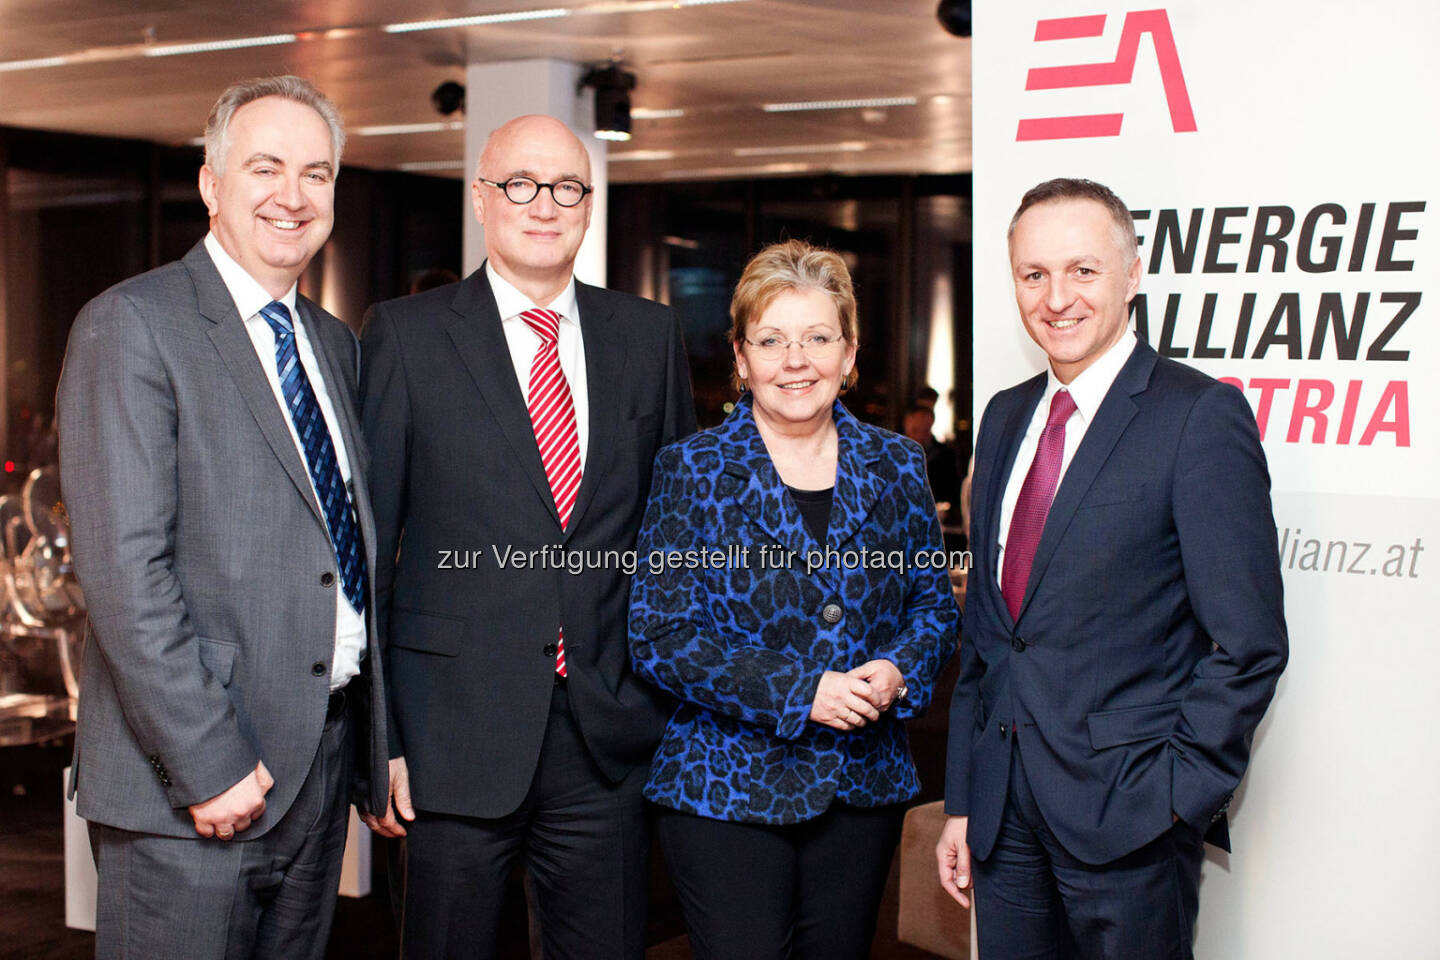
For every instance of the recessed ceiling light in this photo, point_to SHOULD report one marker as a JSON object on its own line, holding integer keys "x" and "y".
{"x": 839, "y": 104}
{"x": 513, "y": 16}
{"x": 648, "y": 113}
{"x": 210, "y": 46}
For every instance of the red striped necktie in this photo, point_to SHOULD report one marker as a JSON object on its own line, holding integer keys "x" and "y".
{"x": 552, "y": 413}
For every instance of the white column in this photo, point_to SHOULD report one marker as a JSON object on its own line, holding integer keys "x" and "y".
{"x": 497, "y": 92}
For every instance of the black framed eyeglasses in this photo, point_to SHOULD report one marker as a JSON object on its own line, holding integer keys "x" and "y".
{"x": 565, "y": 193}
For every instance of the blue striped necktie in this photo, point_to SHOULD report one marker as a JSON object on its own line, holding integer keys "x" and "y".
{"x": 319, "y": 454}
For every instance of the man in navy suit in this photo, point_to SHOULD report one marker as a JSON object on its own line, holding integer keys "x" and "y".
{"x": 1124, "y": 629}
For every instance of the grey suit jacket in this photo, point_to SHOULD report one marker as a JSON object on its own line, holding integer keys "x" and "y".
{"x": 205, "y": 560}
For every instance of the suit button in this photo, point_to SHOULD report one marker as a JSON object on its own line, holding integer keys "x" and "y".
{"x": 831, "y": 613}
{"x": 1018, "y": 644}
{"x": 317, "y": 668}
{"x": 1003, "y": 730}
{"x": 327, "y": 579}
{"x": 549, "y": 649}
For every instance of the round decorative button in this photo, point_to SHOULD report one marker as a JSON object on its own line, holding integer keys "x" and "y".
{"x": 317, "y": 668}
{"x": 327, "y": 579}
{"x": 832, "y": 613}
{"x": 549, "y": 649}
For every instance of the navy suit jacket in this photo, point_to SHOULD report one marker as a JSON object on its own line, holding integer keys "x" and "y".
{"x": 743, "y": 644}
{"x": 1152, "y": 632}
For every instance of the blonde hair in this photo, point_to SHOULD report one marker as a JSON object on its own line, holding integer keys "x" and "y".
{"x": 785, "y": 267}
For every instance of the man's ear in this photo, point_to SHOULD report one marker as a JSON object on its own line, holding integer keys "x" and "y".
{"x": 477, "y": 201}
{"x": 209, "y": 187}
{"x": 1132, "y": 286}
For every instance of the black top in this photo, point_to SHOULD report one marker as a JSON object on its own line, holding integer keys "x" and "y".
{"x": 814, "y": 509}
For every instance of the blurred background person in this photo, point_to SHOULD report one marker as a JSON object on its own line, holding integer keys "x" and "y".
{"x": 941, "y": 466}
{"x": 782, "y": 773}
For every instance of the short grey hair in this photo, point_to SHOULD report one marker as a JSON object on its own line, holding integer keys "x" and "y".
{"x": 1074, "y": 188}
{"x": 298, "y": 89}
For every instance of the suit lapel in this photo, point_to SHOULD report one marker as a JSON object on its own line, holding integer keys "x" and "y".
{"x": 604, "y": 376}
{"x": 765, "y": 500}
{"x": 340, "y": 382}
{"x": 480, "y": 341}
{"x": 856, "y": 486}
{"x": 760, "y": 494}
{"x": 1010, "y": 439}
{"x": 232, "y": 342}
{"x": 1115, "y": 413}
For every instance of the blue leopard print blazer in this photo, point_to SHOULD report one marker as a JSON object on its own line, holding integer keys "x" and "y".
{"x": 737, "y": 611}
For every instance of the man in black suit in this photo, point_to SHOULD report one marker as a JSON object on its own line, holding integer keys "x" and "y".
{"x": 1124, "y": 625}
{"x": 514, "y": 418}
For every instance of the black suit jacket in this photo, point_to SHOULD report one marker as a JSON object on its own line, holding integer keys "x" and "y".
{"x": 1153, "y": 629}
{"x": 460, "y": 494}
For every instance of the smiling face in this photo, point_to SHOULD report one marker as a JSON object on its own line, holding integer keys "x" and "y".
{"x": 1074, "y": 280}
{"x": 796, "y": 391}
{"x": 532, "y": 245}
{"x": 274, "y": 205}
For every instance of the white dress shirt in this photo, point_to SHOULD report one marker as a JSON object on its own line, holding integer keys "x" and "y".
{"x": 524, "y": 343}
{"x": 1088, "y": 390}
{"x": 249, "y": 297}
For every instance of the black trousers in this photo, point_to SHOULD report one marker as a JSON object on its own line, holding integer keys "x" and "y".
{"x": 802, "y": 891}
{"x": 271, "y": 897}
{"x": 1034, "y": 901}
{"x": 585, "y": 842}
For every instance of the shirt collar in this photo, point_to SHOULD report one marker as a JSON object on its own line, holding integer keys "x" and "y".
{"x": 245, "y": 290}
{"x": 1089, "y": 387}
{"x": 511, "y": 302}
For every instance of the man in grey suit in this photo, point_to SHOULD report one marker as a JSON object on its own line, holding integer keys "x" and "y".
{"x": 231, "y": 696}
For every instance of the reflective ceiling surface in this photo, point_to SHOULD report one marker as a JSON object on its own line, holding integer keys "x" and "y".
{"x": 116, "y": 68}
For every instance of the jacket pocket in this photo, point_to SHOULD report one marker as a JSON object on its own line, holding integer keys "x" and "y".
{"x": 218, "y": 656}
{"x": 1108, "y": 493}
{"x": 1111, "y": 728}
{"x": 426, "y": 632}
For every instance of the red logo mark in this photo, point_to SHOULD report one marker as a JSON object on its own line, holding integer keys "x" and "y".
{"x": 1121, "y": 70}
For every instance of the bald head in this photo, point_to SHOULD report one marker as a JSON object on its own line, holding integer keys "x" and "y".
{"x": 533, "y": 244}
{"x": 535, "y": 130}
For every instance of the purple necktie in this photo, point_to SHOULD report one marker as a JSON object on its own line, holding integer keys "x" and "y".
{"x": 1036, "y": 494}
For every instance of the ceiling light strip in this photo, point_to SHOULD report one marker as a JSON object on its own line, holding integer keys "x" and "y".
{"x": 36, "y": 64}
{"x": 477, "y": 21}
{"x": 239, "y": 43}
{"x": 848, "y": 146}
{"x": 839, "y": 104}
{"x": 640, "y": 155}
{"x": 647, "y": 113}
{"x": 392, "y": 129}
{"x": 423, "y": 166}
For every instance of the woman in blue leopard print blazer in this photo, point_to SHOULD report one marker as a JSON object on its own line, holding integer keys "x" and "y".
{"x": 792, "y": 594}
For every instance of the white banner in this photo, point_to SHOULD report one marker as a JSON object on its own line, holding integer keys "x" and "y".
{"x": 1279, "y": 156}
